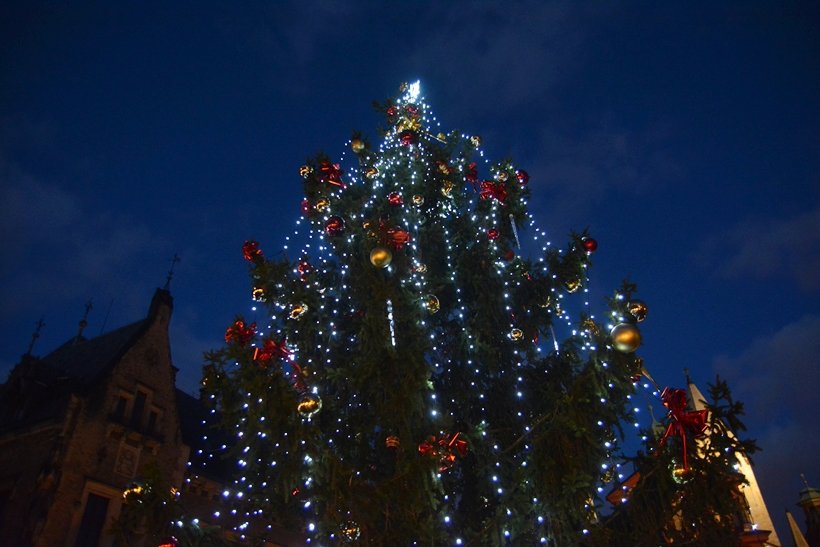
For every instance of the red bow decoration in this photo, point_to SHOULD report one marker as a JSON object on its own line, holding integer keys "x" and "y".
{"x": 392, "y": 236}
{"x": 298, "y": 377}
{"x": 682, "y": 420}
{"x": 470, "y": 173}
{"x": 270, "y": 349}
{"x": 239, "y": 333}
{"x": 332, "y": 173}
{"x": 444, "y": 449}
{"x": 493, "y": 190}
{"x": 251, "y": 250}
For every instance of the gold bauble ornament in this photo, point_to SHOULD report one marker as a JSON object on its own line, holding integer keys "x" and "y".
{"x": 442, "y": 137}
{"x": 392, "y": 442}
{"x": 371, "y": 172}
{"x": 309, "y": 405}
{"x": 572, "y": 285}
{"x": 350, "y": 531}
{"x": 418, "y": 199}
{"x": 381, "y": 257}
{"x": 681, "y": 474}
{"x": 475, "y": 140}
{"x": 298, "y": 311}
{"x": 447, "y": 188}
{"x": 322, "y": 205}
{"x": 420, "y": 267}
{"x": 501, "y": 176}
{"x": 258, "y": 294}
{"x": 431, "y": 303}
{"x": 516, "y": 334}
{"x": 625, "y": 337}
{"x": 357, "y": 145}
{"x": 637, "y": 309}
{"x": 305, "y": 171}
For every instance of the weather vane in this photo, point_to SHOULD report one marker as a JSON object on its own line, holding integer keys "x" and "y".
{"x": 171, "y": 272}
{"x": 84, "y": 321}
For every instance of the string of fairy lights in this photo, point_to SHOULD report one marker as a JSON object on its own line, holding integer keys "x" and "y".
{"x": 315, "y": 251}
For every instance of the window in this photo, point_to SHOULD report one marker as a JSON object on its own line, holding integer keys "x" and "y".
{"x": 139, "y": 408}
{"x": 119, "y": 408}
{"x": 91, "y": 527}
{"x": 152, "y": 421}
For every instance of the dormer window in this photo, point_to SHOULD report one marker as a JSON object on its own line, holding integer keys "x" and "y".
{"x": 138, "y": 409}
{"x": 119, "y": 408}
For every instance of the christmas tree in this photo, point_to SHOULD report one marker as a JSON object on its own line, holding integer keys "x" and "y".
{"x": 414, "y": 377}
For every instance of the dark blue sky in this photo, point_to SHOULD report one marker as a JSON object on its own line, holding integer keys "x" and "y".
{"x": 686, "y": 140}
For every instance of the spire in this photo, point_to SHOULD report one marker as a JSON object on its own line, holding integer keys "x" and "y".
{"x": 35, "y": 335}
{"x": 170, "y": 276}
{"x": 696, "y": 399}
{"x": 799, "y": 539}
{"x": 83, "y": 321}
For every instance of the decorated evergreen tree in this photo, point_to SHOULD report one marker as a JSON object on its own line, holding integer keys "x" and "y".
{"x": 411, "y": 377}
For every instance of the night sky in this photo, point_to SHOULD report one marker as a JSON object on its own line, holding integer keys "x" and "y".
{"x": 687, "y": 141}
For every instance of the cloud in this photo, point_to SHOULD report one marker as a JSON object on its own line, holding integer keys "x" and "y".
{"x": 768, "y": 248}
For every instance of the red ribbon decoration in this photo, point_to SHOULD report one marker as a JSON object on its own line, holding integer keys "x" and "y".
{"x": 270, "y": 349}
{"x": 470, "y": 173}
{"x": 444, "y": 449}
{"x": 682, "y": 420}
{"x": 298, "y": 378}
{"x": 251, "y": 251}
{"x": 239, "y": 333}
{"x": 332, "y": 174}
{"x": 493, "y": 190}
{"x": 304, "y": 267}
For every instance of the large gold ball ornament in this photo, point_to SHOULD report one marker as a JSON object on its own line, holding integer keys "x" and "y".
{"x": 350, "y": 531}
{"x": 309, "y": 405}
{"x": 381, "y": 257}
{"x": 516, "y": 334}
{"x": 298, "y": 311}
{"x": 625, "y": 337}
{"x": 322, "y": 205}
{"x": 431, "y": 303}
{"x": 572, "y": 285}
{"x": 418, "y": 199}
{"x": 357, "y": 145}
{"x": 447, "y": 189}
{"x": 305, "y": 171}
{"x": 637, "y": 309}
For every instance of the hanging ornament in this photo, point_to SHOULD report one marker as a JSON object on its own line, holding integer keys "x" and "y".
{"x": 251, "y": 251}
{"x": 447, "y": 189}
{"x": 444, "y": 449}
{"x": 682, "y": 421}
{"x": 258, "y": 294}
{"x": 523, "y": 177}
{"x": 516, "y": 334}
{"x": 381, "y": 257}
{"x": 334, "y": 226}
{"x": 406, "y": 123}
{"x": 471, "y": 173}
{"x": 395, "y": 199}
{"x": 501, "y": 176}
{"x": 441, "y": 137}
{"x": 682, "y": 475}
{"x": 407, "y": 138}
{"x": 625, "y": 337}
{"x": 420, "y": 267}
{"x": 431, "y": 303}
{"x": 322, "y": 205}
{"x": 418, "y": 199}
{"x": 443, "y": 168}
{"x": 572, "y": 284}
{"x": 169, "y": 541}
{"x": 371, "y": 172}
{"x": 411, "y": 109}
{"x": 304, "y": 268}
{"x": 357, "y": 145}
{"x": 475, "y": 140}
{"x": 391, "y": 111}
{"x": 545, "y": 302}
{"x": 637, "y": 309}
{"x": 309, "y": 405}
{"x": 392, "y": 442}
{"x": 270, "y": 350}
{"x": 396, "y": 237}
{"x": 239, "y": 333}
{"x": 493, "y": 234}
{"x": 589, "y": 244}
{"x": 298, "y": 311}
{"x": 305, "y": 171}
{"x": 331, "y": 173}
{"x": 350, "y": 531}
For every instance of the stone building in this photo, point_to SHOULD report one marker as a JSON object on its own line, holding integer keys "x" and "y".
{"x": 78, "y": 425}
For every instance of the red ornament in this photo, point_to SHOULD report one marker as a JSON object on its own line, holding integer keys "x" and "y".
{"x": 251, "y": 251}
{"x": 304, "y": 267}
{"x": 509, "y": 255}
{"x": 470, "y": 173}
{"x": 306, "y": 206}
{"x": 239, "y": 333}
{"x": 589, "y": 244}
{"x": 407, "y": 138}
{"x": 170, "y": 541}
{"x": 331, "y": 173}
{"x": 391, "y": 111}
{"x": 444, "y": 449}
{"x": 492, "y": 190}
{"x": 395, "y": 199}
{"x": 397, "y": 238}
{"x": 493, "y": 234}
{"x": 411, "y": 109}
{"x": 334, "y": 226}
{"x": 523, "y": 177}
{"x": 681, "y": 420}
{"x": 270, "y": 350}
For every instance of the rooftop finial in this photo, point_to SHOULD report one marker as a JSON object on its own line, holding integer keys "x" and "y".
{"x": 171, "y": 272}
{"x": 686, "y": 373}
{"x": 35, "y": 335}
{"x": 803, "y": 478}
{"x": 84, "y": 321}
